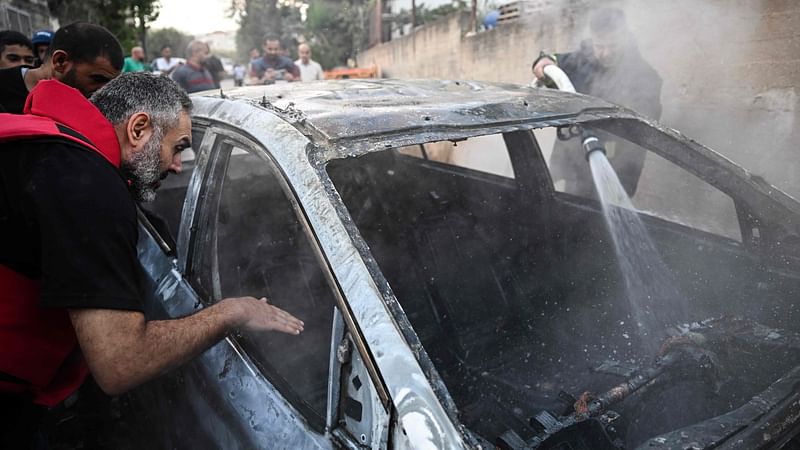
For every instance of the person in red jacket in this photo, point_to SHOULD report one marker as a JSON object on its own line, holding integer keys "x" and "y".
{"x": 71, "y": 172}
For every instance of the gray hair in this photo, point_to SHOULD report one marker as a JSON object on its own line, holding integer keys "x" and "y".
{"x": 160, "y": 97}
{"x": 194, "y": 47}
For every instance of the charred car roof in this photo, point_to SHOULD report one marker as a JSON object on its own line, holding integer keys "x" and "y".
{"x": 363, "y": 111}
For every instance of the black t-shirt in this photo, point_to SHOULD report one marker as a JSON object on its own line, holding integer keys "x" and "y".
{"x": 12, "y": 90}
{"x": 68, "y": 219}
{"x": 631, "y": 82}
{"x": 214, "y": 66}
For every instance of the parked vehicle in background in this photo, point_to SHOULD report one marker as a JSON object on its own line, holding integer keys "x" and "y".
{"x": 453, "y": 296}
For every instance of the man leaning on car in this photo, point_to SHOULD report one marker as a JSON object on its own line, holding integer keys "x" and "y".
{"x": 71, "y": 299}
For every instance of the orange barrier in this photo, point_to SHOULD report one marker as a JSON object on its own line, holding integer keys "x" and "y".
{"x": 357, "y": 72}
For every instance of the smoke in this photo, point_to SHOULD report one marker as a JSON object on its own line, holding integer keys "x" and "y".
{"x": 729, "y": 77}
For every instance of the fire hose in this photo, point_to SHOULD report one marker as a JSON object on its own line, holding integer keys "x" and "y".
{"x": 589, "y": 140}
{"x": 557, "y": 76}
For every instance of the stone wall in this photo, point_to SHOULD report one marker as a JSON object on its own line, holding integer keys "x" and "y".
{"x": 731, "y": 68}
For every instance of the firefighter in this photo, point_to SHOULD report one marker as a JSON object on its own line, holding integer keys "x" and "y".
{"x": 608, "y": 66}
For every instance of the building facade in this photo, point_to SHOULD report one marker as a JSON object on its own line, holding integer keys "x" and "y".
{"x": 26, "y": 16}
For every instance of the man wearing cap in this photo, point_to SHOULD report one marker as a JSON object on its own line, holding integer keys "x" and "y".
{"x": 41, "y": 41}
{"x": 82, "y": 55}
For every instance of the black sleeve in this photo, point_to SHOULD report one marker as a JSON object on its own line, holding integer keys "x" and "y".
{"x": 649, "y": 103}
{"x": 579, "y": 66}
{"x": 88, "y": 227}
{"x": 13, "y": 91}
{"x": 569, "y": 62}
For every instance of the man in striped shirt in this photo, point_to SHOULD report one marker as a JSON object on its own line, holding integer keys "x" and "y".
{"x": 193, "y": 76}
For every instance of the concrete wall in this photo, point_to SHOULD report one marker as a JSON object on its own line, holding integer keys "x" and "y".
{"x": 731, "y": 68}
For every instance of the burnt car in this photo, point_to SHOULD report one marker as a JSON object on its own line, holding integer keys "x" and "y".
{"x": 456, "y": 293}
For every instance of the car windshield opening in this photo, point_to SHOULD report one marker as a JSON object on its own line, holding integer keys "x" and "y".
{"x": 515, "y": 289}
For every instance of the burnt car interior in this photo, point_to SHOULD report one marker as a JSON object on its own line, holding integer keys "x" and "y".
{"x": 515, "y": 292}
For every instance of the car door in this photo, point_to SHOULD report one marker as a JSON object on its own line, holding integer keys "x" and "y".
{"x": 222, "y": 399}
{"x": 242, "y": 233}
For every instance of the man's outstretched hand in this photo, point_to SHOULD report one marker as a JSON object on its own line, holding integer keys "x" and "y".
{"x": 259, "y": 315}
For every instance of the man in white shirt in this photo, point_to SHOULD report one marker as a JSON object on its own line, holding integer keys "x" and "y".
{"x": 310, "y": 70}
{"x": 166, "y": 64}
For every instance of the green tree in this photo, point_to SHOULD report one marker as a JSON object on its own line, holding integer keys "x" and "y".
{"x": 144, "y": 12}
{"x": 127, "y": 19}
{"x": 256, "y": 19}
{"x": 336, "y": 30}
{"x": 167, "y": 36}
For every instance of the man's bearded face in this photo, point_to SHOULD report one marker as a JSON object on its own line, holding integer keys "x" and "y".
{"x": 143, "y": 168}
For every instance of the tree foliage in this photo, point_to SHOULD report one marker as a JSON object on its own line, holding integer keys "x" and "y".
{"x": 143, "y": 12}
{"x": 127, "y": 19}
{"x": 335, "y": 29}
{"x": 167, "y": 36}
{"x": 256, "y": 18}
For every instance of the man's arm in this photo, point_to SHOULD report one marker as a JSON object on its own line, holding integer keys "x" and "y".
{"x": 320, "y": 72}
{"x": 123, "y": 350}
{"x": 178, "y": 77}
{"x": 255, "y": 78}
{"x": 540, "y": 64}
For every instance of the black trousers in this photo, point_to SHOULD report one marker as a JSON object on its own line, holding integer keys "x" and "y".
{"x": 20, "y": 422}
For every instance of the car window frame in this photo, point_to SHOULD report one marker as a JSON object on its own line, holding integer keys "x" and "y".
{"x": 661, "y": 151}
{"x": 359, "y": 293}
{"x": 190, "y": 201}
{"x": 214, "y": 166}
{"x": 178, "y": 253}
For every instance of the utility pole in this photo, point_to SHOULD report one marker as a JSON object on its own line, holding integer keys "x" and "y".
{"x": 378, "y": 21}
{"x": 473, "y": 18}
{"x": 413, "y": 14}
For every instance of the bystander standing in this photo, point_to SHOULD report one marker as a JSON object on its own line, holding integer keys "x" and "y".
{"x": 273, "y": 66}
{"x": 239, "y": 72}
{"x": 310, "y": 70}
{"x": 165, "y": 64}
{"x": 135, "y": 62}
{"x": 193, "y": 76}
{"x": 41, "y": 41}
{"x": 214, "y": 66}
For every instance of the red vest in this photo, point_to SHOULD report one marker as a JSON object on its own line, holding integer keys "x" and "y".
{"x": 39, "y": 353}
